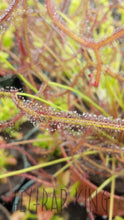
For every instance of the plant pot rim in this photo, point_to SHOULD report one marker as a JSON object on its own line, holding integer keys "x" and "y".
{"x": 100, "y": 203}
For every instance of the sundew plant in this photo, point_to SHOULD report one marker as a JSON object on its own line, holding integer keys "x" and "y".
{"x": 68, "y": 57}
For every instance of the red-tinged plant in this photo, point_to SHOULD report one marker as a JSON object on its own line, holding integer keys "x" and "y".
{"x": 86, "y": 43}
{"x": 54, "y": 54}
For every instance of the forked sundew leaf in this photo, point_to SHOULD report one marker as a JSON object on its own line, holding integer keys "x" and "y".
{"x": 55, "y": 119}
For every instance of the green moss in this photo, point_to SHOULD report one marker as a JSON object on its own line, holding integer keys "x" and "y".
{"x": 8, "y": 109}
{"x": 3, "y": 5}
{"x": 8, "y": 39}
{"x": 46, "y": 141}
{"x": 74, "y": 5}
{"x": 30, "y": 2}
